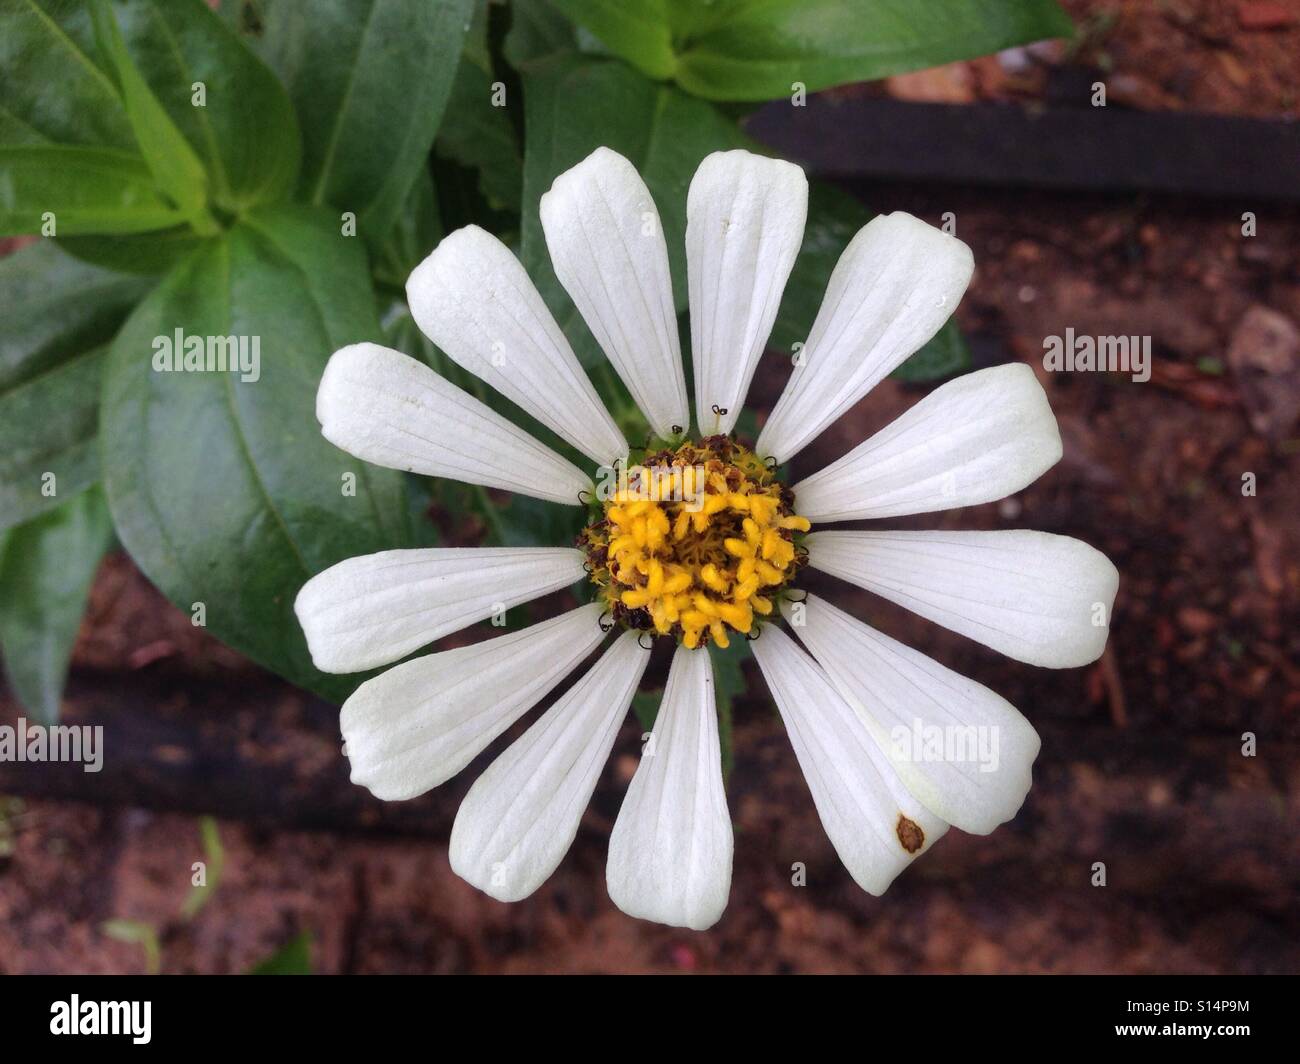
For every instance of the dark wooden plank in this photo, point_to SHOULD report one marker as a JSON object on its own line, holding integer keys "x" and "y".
{"x": 1093, "y": 149}
{"x": 1171, "y": 814}
{"x": 257, "y": 751}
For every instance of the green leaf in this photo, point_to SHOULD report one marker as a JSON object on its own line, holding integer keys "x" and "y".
{"x": 537, "y": 31}
{"x": 47, "y": 437}
{"x": 55, "y": 307}
{"x": 638, "y": 30}
{"x": 244, "y": 129}
{"x": 572, "y": 106}
{"x": 834, "y": 217}
{"x": 223, "y": 489}
{"x": 645, "y": 705}
{"x": 214, "y": 863}
{"x": 54, "y": 91}
{"x": 171, "y": 160}
{"x": 46, "y": 569}
{"x": 137, "y": 933}
{"x": 147, "y": 254}
{"x": 945, "y": 355}
{"x": 417, "y": 232}
{"x": 84, "y": 190}
{"x": 133, "y": 85}
{"x": 369, "y": 79}
{"x": 527, "y": 522}
{"x": 478, "y": 134}
{"x": 59, "y": 314}
{"x": 293, "y": 958}
{"x": 762, "y": 49}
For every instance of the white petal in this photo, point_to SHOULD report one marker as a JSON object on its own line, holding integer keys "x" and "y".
{"x": 608, "y": 250}
{"x": 1033, "y": 596}
{"x": 978, "y": 438}
{"x": 474, "y": 300}
{"x": 895, "y": 285}
{"x": 418, "y": 724}
{"x": 744, "y": 222}
{"x": 670, "y": 850}
{"x": 521, "y": 815}
{"x": 371, "y": 610}
{"x": 964, "y": 752}
{"x": 872, "y": 820}
{"x": 389, "y": 409}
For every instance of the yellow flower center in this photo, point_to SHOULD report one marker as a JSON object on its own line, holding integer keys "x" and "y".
{"x": 695, "y": 542}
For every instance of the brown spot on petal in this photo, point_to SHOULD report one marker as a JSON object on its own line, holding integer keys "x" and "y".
{"x": 910, "y": 834}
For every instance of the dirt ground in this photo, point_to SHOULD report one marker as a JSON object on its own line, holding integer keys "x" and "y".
{"x": 1141, "y": 766}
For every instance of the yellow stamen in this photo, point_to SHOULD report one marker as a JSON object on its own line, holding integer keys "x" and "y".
{"x": 695, "y": 543}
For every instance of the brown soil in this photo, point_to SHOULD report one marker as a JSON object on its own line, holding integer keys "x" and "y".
{"x": 1239, "y": 57}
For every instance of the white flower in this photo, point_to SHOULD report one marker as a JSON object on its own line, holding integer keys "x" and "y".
{"x": 701, "y": 565}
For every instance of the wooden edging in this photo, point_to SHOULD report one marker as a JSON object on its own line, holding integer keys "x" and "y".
{"x": 1092, "y": 149}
